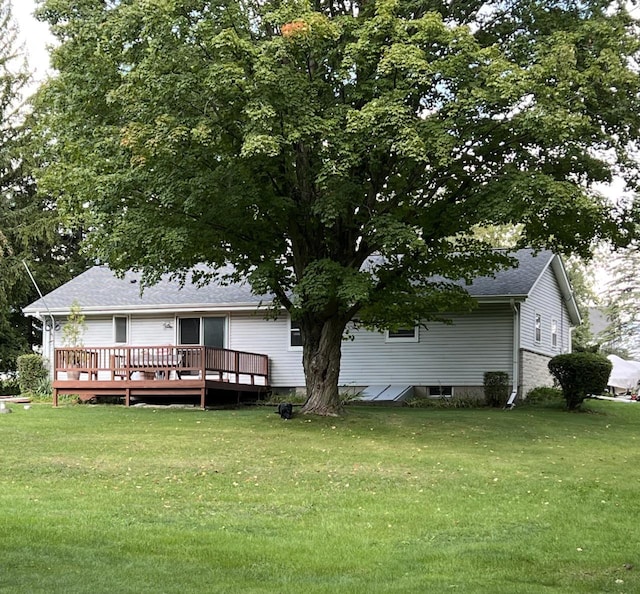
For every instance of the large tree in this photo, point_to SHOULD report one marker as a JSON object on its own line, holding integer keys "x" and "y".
{"x": 338, "y": 153}
{"x": 30, "y": 225}
{"x": 13, "y": 78}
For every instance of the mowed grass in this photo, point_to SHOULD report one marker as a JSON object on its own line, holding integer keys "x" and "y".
{"x": 108, "y": 499}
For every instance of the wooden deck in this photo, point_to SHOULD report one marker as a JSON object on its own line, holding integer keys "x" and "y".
{"x": 169, "y": 372}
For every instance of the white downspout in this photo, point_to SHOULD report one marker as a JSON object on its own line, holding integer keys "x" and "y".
{"x": 516, "y": 355}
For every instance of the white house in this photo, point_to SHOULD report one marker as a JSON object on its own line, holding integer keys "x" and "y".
{"x": 524, "y": 317}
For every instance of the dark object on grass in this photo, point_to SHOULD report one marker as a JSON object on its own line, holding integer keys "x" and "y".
{"x": 285, "y": 410}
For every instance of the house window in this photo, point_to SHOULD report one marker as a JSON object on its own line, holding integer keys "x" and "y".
{"x": 295, "y": 334}
{"x": 189, "y": 330}
{"x": 213, "y": 331}
{"x": 440, "y": 391}
{"x": 554, "y": 333}
{"x": 538, "y": 328}
{"x": 208, "y": 331}
{"x": 402, "y": 335}
{"x": 120, "y": 324}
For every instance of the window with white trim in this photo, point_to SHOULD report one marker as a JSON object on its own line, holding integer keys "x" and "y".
{"x": 538, "y": 328}
{"x": 120, "y": 329}
{"x": 295, "y": 335}
{"x": 402, "y": 335}
{"x": 554, "y": 333}
{"x": 206, "y": 330}
{"x": 189, "y": 331}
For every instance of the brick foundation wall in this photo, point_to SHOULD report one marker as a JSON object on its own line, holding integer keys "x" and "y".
{"x": 533, "y": 371}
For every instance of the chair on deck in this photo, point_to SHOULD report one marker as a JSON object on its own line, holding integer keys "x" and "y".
{"x": 117, "y": 369}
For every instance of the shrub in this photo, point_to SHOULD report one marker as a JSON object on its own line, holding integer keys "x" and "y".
{"x": 31, "y": 372}
{"x": 496, "y": 388}
{"x": 9, "y": 387}
{"x": 543, "y": 395}
{"x": 44, "y": 387}
{"x": 275, "y": 398}
{"x": 458, "y": 401}
{"x": 580, "y": 374}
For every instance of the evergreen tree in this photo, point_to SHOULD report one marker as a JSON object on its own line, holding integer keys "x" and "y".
{"x": 30, "y": 226}
{"x": 623, "y": 302}
{"x": 581, "y": 277}
{"x": 13, "y": 79}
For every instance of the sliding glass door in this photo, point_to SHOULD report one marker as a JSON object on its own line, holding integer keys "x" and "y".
{"x": 207, "y": 331}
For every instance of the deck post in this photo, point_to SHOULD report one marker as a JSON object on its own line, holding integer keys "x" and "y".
{"x": 55, "y": 397}
{"x": 127, "y": 396}
{"x": 203, "y": 393}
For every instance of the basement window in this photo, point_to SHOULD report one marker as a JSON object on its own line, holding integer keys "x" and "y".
{"x": 440, "y": 391}
{"x": 402, "y": 335}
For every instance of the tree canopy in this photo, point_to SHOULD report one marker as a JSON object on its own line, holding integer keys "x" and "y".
{"x": 30, "y": 226}
{"x": 339, "y": 154}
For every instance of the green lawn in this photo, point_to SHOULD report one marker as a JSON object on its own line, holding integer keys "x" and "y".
{"x": 108, "y": 499}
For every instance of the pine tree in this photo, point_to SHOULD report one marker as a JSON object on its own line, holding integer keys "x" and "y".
{"x": 30, "y": 226}
{"x": 13, "y": 79}
{"x": 623, "y": 302}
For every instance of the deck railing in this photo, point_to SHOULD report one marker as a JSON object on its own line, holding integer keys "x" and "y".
{"x": 160, "y": 363}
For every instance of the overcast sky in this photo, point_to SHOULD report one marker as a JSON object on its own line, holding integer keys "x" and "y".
{"x": 34, "y": 35}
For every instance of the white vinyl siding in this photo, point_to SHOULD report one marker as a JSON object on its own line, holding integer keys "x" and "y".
{"x": 252, "y": 333}
{"x": 142, "y": 330}
{"x": 98, "y": 332}
{"x": 546, "y": 300}
{"x": 456, "y": 354}
{"x": 147, "y": 330}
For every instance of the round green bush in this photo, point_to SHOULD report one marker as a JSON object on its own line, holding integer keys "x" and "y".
{"x": 580, "y": 374}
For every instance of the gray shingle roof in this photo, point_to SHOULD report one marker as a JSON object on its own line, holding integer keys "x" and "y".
{"x": 98, "y": 289}
{"x": 513, "y": 281}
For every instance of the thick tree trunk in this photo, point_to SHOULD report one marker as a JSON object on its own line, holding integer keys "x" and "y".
{"x": 322, "y": 342}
